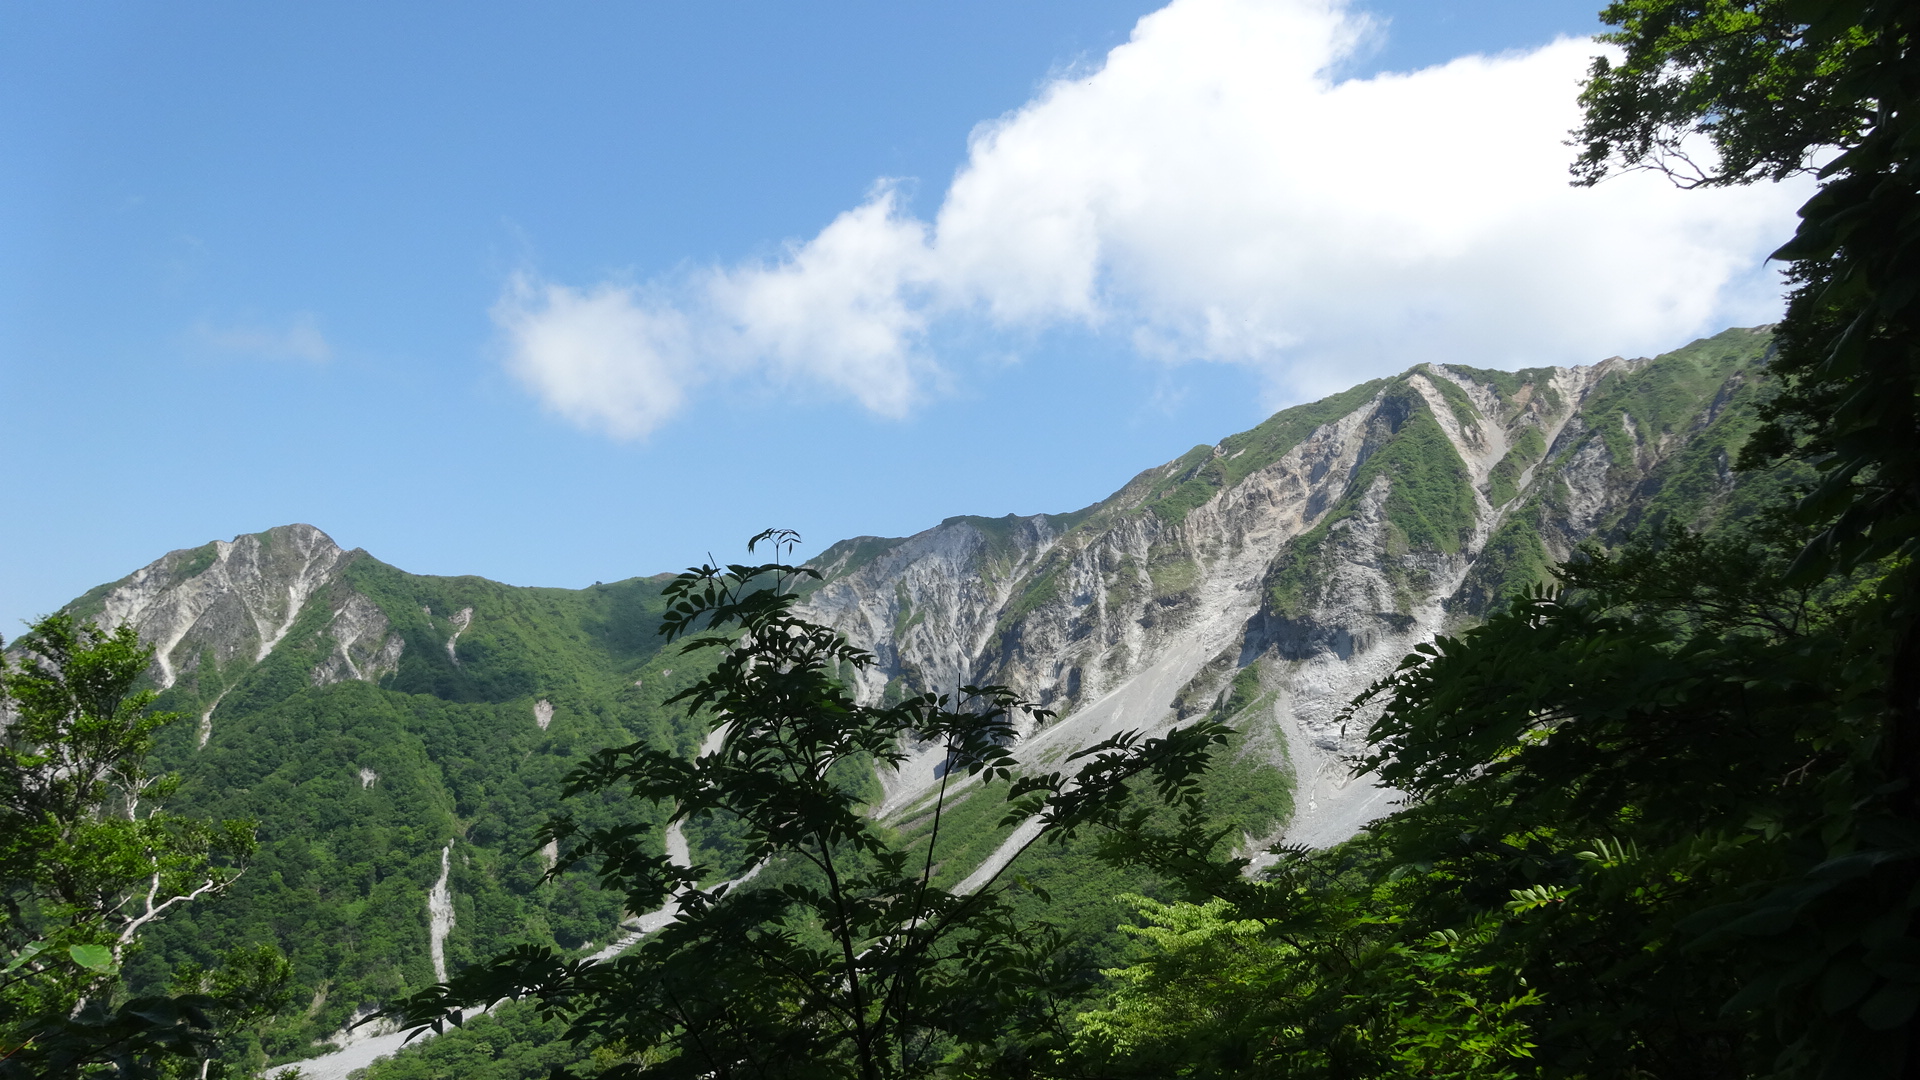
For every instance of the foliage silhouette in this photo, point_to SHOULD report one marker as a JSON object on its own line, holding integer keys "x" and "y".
{"x": 1832, "y": 87}
{"x": 843, "y": 959}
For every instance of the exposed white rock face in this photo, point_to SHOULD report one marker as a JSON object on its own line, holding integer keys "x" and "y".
{"x": 368, "y": 778}
{"x": 440, "y": 915}
{"x": 461, "y": 620}
{"x": 950, "y": 572}
{"x": 543, "y": 713}
{"x": 232, "y": 603}
{"x": 362, "y": 646}
{"x": 206, "y": 719}
{"x": 1107, "y": 620}
{"x": 236, "y": 601}
{"x": 1585, "y": 478}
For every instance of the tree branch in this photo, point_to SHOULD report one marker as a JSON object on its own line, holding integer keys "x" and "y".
{"x": 211, "y": 885}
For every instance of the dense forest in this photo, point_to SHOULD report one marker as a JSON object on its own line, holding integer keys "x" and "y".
{"x": 1661, "y": 799}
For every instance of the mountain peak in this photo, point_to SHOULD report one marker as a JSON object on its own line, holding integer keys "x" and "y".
{"x": 223, "y": 601}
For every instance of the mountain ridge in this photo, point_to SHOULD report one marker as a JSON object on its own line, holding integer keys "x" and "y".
{"x": 1327, "y": 541}
{"x": 399, "y": 736}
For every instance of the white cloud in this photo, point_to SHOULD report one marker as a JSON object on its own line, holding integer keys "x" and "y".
{"x": 847, "y": 308}
{"x": 1213, "y": 193}
{"x": 300, "y": 340}
{"x": 602, "y": 358}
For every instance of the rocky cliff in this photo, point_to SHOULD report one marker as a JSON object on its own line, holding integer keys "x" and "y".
{"x": 1319, "y": 548}
{"x": 225, "y": 606}
{"x": 399, "y": 737}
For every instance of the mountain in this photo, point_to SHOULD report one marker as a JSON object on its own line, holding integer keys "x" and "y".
{"x": 1316, "y": 549}
{"x": 392, "y": 735}
{"x": 398, "y": 738}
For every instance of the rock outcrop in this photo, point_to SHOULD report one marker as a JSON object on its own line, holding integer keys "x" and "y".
{"x": 229, "y": 604}
{"x": 376, "y": 723}
{"x": 1321, "y": 546}
{"x": 225, "y": 601}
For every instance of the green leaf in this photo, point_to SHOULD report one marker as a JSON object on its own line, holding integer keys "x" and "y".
{"x": 1890, "y": 1007}
{"x": 1843, "y": 984}
{"x": 95, "y": 958}
{"x": 25, "y": 955}
{"x": 1898, "y": 960}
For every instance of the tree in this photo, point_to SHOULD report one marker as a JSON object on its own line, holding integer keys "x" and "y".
{"x": 1594, "y": 776}
{"x": 87, "y": 859}
{"x": 1303, "y": 978}
{"x": 1774, "y": 87}
{"x": 1623, "y": 763}
{"x": 1686, "y": 785}
{"x": 251, "y": 987}
{"x": 841, "y": 959}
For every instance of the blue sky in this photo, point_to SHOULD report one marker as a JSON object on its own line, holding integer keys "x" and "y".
{"x": 570, "y": 292}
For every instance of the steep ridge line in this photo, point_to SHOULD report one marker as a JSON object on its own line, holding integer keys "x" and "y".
{"x": 1314, "y": 550}
{"x": 1114, "y": 613}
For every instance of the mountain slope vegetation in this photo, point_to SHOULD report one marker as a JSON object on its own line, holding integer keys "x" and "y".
{"x": 391, "y": 733}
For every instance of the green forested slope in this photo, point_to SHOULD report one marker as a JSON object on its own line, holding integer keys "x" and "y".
{"x": 358, "y": 787}
{"x": 1689, "y": 411}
